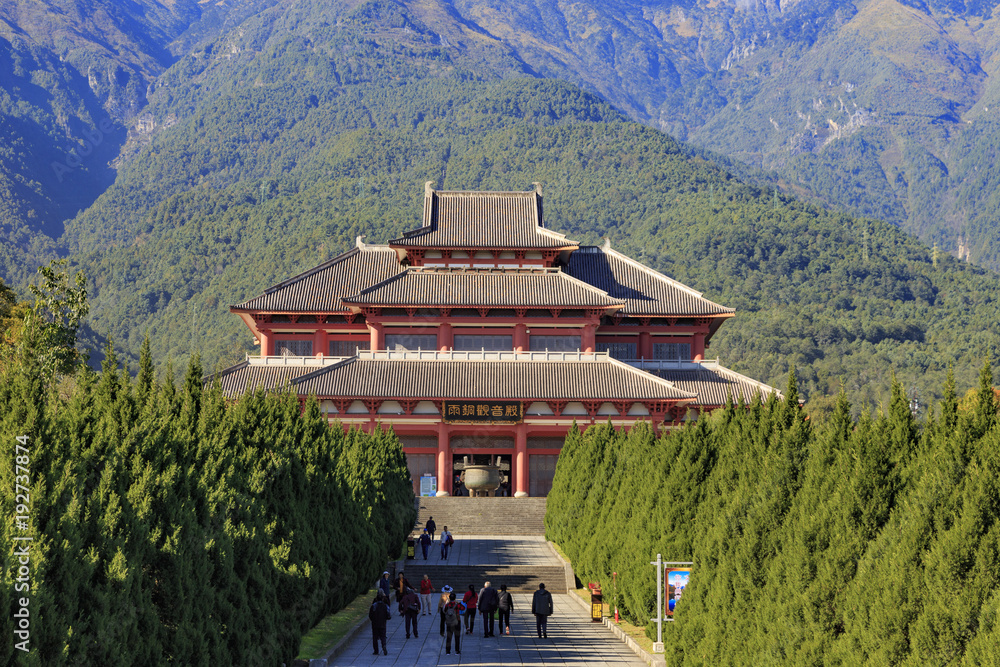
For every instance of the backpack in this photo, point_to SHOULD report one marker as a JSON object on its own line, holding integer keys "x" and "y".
{"x": 451, "y": 615}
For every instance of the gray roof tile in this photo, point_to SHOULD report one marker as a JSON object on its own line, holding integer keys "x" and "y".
{"x": 645, "y": 291}
{"x": 477, "y": 287}
{"x": 483, "y": 220}
{"x": 320, "y": 289}
{"x": 461, "y": 375}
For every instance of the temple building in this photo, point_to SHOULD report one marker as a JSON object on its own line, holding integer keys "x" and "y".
{"x": 484, "y": 334}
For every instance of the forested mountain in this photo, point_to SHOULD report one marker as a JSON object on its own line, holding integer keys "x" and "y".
{"x": 267, "y": 149}
{"x": 73, "y": 77}
{"x": 888, "y": 109}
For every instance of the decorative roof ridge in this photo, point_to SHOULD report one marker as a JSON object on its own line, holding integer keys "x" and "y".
{"x": 322, "y": 369}
{"x": 761, "y": 387}
{"x": 711, "y": 365}
{"x": 607, "y": 249}
{"x": 588, "y": 286}
{"x": 508, "y": 356}
{"x": 378, "y": 285}
{"x": 211, "y": 377}
{"x": 359, "y": 248}
{"x": 669, "y": 384}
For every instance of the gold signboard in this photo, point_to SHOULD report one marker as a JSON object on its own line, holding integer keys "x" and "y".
{"x": 482, "y": 412}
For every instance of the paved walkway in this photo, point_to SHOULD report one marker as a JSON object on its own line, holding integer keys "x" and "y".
{"x": 572, "y": 640}
{"x": 488, "y": 550}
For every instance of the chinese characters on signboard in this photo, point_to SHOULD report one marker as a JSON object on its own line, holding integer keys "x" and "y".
{"x": 677, "y": 580}
{"x": 482, "y": 412}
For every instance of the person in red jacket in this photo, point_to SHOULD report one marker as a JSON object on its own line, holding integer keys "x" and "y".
{"x": 470, "y": 600}
{"x": 425, "y": 595}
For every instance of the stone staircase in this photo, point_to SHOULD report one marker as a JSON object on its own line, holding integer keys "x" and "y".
{"x": 503, "y": 526}
{"x": 483, "y": 516}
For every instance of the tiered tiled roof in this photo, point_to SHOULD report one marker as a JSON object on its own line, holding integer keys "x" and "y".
{"x": 483, "y": 220}
{"x": 500, "y": 288}
{"x": 468, "y": 375}
{"x": 712, "y": 383}
{"x": 245, "y": 377}
{"x": 645, "y": 291}
{"x": 321, "y": 289}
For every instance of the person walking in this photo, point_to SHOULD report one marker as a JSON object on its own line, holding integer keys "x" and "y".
{"x": 400, "y": 585}
{"x": 446, "y": 541}
{"x": 409, "y": 607}
{"x": 470, "y": 600}
{"x": 426, "y": 588}
{"x": 453, "y": 622}
{"x": 379, "y": 615}
{"x": 431, "y": 527}
{"x": 445, "y": 596}
{"x": 505, "y": 605}
{"x": 488, "y": 603}
{"x": 541, "y": 607}
{"x": 385, "y": 585}
{"x": 425, "y": 542}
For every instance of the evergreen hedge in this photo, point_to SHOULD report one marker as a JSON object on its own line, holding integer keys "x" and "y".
{"x": 874, "y": 541}
{"x": 172, "y": 526}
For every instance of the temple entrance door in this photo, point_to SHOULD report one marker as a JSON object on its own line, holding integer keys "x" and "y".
{"x": 458, "y": 478}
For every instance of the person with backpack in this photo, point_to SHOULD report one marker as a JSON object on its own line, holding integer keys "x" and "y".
{"x": 541, "y": 607}
{"x": 425, "y": 542}
{"x": 470, "y": 599}
{"x": 379, "y": 615}
{"x": 446, "y": 541}
{"x": 409, "y": 607}
{"x": 505, "y": 605}
{"x": 431, "y": 527}
{"x": 488, "y": 603}
{"x": 441, "y": 604}
{"x": 453, "y": 622}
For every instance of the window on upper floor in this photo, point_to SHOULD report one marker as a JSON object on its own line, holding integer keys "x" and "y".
{"x": 293, "y": 348}
{"x": 618, "y": 350}
{"x": 410, "y": 342}
{"x": 672, "y": 351}
{"x": 348, "y": 348}
{"x": 555, "y": 343}
{"x": 476, "y": 342}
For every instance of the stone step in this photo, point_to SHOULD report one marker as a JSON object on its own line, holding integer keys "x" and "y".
{"x": 483, "y": 516}
{"x": 518, "y": 578}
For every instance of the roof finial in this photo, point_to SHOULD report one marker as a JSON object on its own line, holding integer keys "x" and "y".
{"x": 607, "y": 244}
{"x": 428, "y": 188}
{"x": 538, "y": 188}
{"x": 360, "y": 242}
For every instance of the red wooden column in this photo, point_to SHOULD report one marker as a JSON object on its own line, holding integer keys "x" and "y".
{"x": 588, "y": 342}
{"x": 645, "y": 345}
{"x": 444, "y": 460}
{"x": 521, "y": 461}
{"x": 446, "y": 337}
{"x": 698, "y": 349}
{"x": 321, "y": 344}
{"x": 378, "y": 336}
{"x": 266, "y": 344}
{"x": 521, "y": 338}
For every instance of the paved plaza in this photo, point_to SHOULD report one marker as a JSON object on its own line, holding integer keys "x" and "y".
{"x": 573, "y": 640}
